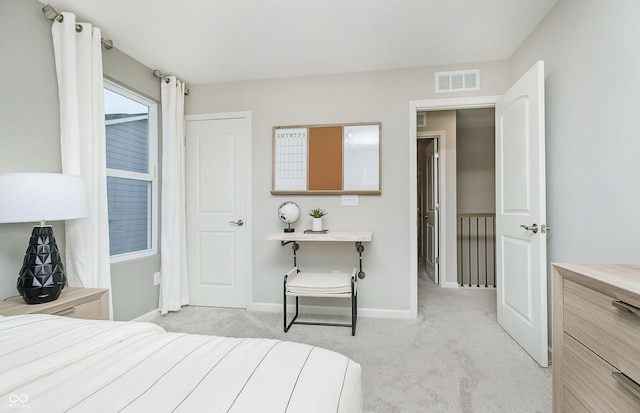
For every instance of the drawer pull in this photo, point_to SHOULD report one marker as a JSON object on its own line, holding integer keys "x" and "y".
{"x": 65, "y": 311}
{"x": 627, "y": 383}
{"x": 628, "y": 307}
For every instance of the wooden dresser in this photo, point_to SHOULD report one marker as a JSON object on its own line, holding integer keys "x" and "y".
{"x": 89, "y": 303}
{"x": 596, "y": 338}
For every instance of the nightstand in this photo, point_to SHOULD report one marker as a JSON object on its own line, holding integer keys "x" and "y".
{"x": 88, "y": 303}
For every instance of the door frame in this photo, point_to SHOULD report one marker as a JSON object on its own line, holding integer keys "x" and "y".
{"x": 428, "y": 105}
{"x": 247, "y": 116}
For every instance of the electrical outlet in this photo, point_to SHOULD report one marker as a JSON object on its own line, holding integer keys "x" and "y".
{"x": 156, "y": 278}
{"x": 349, "y": 200}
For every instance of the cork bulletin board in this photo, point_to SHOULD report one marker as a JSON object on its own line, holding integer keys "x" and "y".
{"x": 326, "y": 159}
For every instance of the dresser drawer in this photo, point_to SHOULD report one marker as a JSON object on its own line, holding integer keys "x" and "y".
{"x": 91, "y": 310}
{"x": 611, "y": 332}
{"x": 571, "y": 404}
{"x": 588, "y": 383}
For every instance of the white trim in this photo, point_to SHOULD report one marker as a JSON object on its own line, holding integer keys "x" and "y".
{"x": 330, "y": 310}
{"x": 249, "y": 261}
{"x": 125, "y": 120}
{"x": 239, "y": 115}
{"x": 153, "y": 314}
{"x": 414, "y": 107}
{"x": 133, "y": 255}
{"x": 221, "y": 115}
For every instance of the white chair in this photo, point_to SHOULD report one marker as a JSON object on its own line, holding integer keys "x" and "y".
{"x": 331, "y": 285}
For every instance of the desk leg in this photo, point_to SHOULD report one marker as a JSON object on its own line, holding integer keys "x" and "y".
{"x": 354, "y": 307}
{"x": 360, "y": 249}
{"x": 294, "y": 246}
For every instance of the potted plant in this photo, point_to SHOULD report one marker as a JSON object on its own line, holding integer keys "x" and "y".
{"x": 317, "y": 214}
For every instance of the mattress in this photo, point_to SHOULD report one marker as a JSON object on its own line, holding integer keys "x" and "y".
{"x": 58, "y": 364}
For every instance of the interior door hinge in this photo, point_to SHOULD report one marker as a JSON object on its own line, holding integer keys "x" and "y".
{"x": 437, "y": 260}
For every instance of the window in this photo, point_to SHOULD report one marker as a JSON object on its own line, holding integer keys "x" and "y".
{"x": 131, "y": 123}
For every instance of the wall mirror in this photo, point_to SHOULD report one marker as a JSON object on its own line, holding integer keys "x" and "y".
{"x": 326, "y": 159}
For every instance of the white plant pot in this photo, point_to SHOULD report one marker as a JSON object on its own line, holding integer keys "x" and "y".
{"x": 316, "y": 224}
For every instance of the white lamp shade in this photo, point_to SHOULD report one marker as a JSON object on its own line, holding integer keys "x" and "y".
{"x": 33, "y": 197}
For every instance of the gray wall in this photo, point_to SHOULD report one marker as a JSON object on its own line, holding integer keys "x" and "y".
{"x": 359, "y": 97}
{"x": 590, "y": 49}
{"x": 29, "y": 125}
{"x": 30, "y": 140}
{"x": 476, "y": 172}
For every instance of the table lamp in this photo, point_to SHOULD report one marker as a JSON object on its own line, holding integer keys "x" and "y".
{"x": 41, "y": 197}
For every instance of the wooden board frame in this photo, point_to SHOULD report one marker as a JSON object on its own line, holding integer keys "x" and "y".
{"x": 303, "y": 132}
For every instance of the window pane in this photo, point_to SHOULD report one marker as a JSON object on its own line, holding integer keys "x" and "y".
{"x": 127, "y": 129}
{"x": 129, "y": 215}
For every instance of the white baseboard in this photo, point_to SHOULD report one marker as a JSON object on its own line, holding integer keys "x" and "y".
{"x": 326, "y": 310}
{"x": 148, "y": 316}
{"x": 450, "y": 284}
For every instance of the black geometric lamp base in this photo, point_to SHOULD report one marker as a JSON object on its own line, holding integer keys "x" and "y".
{"x": 41, "y": 277}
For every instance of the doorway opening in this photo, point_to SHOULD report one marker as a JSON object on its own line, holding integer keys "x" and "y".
{"x": 441, "y": 123}
{"x": 473, "y": 133}
{"x": 475, "y": 197}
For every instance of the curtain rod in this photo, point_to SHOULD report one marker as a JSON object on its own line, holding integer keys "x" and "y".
{"x": 51, "y": 14}
{"x": 157, "y": 73}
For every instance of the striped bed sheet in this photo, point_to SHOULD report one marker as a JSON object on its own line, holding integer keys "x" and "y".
{"x": 58, "y": 364}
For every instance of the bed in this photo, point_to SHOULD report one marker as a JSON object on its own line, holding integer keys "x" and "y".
{"x": 58, "y": 364}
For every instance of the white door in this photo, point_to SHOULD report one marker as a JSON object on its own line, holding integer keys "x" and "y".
{"x": 431, "y": 212}
{"x": 217, "y": 153}
{"x": 521, "y": 214}
{"x": 422, "y": 189}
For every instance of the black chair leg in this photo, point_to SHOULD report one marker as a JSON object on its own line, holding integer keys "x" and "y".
{"x": 354, "y": 308}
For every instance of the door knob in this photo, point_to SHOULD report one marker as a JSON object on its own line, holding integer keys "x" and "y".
{"x": 238, "y": 222}
{"x": 533, "y": 228}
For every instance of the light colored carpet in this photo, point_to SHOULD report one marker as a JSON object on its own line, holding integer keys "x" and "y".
{"x": 452, "y": 358}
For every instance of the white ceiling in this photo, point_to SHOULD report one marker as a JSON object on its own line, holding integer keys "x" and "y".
{"x": 210, "y": 41}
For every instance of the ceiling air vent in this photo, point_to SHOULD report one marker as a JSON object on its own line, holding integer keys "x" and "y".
{"x": 457, "y": 81}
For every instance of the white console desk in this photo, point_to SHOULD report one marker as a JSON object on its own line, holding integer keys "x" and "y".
{"x": 341, "y": 285}
{"x": 335, "y": 236}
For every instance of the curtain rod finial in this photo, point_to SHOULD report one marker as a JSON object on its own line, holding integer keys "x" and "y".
{"x": 107, "y": 43}
{"x": 49, "y": 12}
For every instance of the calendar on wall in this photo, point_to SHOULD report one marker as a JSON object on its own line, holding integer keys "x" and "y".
{"x": 290, "y": 163}
{"x": 326, "y": 159}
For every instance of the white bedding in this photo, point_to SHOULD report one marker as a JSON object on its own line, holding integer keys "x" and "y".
{"x": 59, "y": 364}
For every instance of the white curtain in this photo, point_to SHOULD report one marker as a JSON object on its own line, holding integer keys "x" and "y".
{"x": 174, "y": 287}
{"x": 78, "y": 58}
